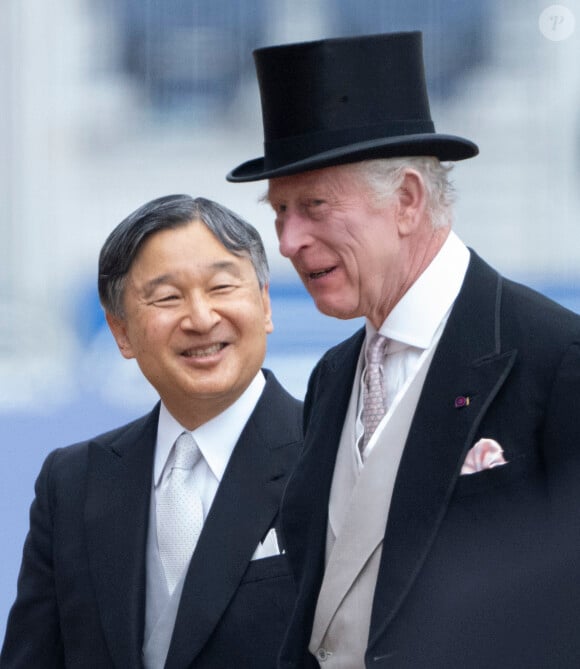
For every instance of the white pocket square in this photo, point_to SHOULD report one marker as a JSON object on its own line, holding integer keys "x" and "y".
{"x": 268, "y": 547}
{"x": 485, "y": 454}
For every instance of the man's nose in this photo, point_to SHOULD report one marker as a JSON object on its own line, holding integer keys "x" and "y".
{"x": 292, "y": 234}
{"x": 200, "y": 314}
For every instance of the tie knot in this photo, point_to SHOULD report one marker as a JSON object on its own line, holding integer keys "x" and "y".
{"x": 187, "y": 452}
{"x": 376, "y": 349}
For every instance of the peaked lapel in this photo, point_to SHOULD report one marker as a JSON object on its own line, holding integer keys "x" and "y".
{"x": 468, "y": 361}
{"x": 116, "y": 520}
{"x": 243, "y": 510}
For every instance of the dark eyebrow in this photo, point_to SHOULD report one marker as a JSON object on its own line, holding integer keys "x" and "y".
{"x": 226, "y": 265}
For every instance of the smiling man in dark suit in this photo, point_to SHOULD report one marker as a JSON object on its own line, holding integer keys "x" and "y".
{"x": 432, "y": 519}
{"x": 157, "y": 544}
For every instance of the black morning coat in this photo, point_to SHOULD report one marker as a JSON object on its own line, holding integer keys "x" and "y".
{"x": 478, "y": 571}
{"x": 81, "y": 590}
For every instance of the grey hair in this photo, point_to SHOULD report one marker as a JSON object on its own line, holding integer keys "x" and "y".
{"x": 172, "y": 211}
{"x": 384, "y": 176}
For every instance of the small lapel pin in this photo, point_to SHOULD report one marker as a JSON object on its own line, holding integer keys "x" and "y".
{"x": 462, "y": 401}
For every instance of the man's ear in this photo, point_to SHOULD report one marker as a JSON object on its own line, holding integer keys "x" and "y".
{"x": 118, "y": 328}
{"x": 267, "y": 309}
{"x": 412, "y": 196}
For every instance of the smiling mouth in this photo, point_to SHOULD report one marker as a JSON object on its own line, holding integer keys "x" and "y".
{"x": 321, "y": 273}
{"x": 205, "y": 352}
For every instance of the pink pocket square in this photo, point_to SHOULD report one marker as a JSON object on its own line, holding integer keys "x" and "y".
{"x": 485, "y": 454}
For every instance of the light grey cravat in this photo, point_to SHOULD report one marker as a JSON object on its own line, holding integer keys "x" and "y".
{"x": 373, "y": 393}
{"x": 179, "y": 510}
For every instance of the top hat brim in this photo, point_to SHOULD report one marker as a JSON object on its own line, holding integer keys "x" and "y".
{"x": 443, "y": 147}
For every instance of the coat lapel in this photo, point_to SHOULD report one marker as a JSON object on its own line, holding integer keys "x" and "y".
{"x": 351, "y": 558}
{"x": 243, "y": 511}
{"x": 305, "y": 506}
{"x": 116, "y": 519}
{"x": 468, "y": 362}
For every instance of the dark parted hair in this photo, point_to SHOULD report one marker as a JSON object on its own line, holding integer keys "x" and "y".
{"x": 172, "y": 211}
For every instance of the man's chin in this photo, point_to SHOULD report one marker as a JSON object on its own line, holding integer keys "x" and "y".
{"x": 334, "y": 310}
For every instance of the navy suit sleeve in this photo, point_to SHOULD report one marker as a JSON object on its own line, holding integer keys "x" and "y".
{"x": 33, "y": 637}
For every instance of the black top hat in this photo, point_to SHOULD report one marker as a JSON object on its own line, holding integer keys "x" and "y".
{"x": 344, "y": 100}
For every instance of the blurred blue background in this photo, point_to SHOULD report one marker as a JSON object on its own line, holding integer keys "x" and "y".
{"x": 107, "y": 104}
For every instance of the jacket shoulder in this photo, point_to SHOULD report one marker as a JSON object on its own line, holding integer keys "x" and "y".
{"x": 278, "y": 411}
{"x": 546, "y": 313}
{"x": 67, "y": 461}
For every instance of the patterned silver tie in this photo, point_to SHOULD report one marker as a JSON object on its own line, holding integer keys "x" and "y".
{"x": 373, "y": 394}
{"x": 179, "y": 510}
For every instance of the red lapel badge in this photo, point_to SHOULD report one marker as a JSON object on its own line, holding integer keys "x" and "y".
{"x": 462, "y": 401}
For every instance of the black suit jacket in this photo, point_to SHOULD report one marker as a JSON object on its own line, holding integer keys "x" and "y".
{"x": 81, "y": 589}
{"x": 479, "y": 570}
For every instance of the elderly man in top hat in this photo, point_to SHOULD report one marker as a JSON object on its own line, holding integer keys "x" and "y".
{"x": 432, "y": 519}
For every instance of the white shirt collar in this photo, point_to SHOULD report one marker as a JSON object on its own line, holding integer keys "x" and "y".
{"x": 216, "y": 438}
{"x": 416, "y": 318}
